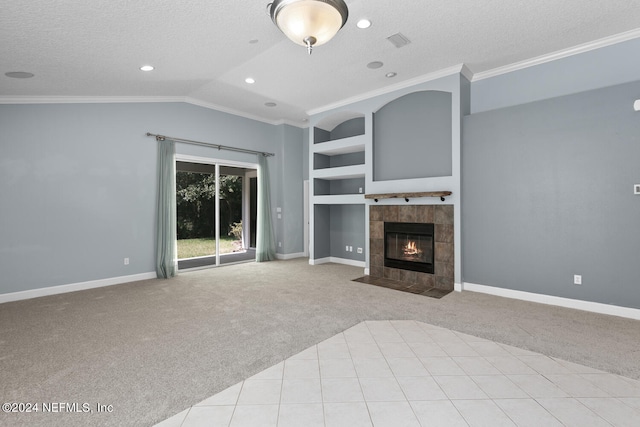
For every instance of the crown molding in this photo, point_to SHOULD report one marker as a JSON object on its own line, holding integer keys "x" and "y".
{"x": 456, "y": 69}
{"x": 86, "y": 99}
{"x": 133, "y": 100}
{"x": 564, "y": 53}
{"x": 220, "y": 108}
{"x": 465, "y": 71}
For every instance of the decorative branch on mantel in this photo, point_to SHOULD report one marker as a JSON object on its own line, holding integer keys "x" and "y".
{"x": 406, "y": 196}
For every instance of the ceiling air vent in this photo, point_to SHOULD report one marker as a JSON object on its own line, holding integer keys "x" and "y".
{"x": 399, "y": 40}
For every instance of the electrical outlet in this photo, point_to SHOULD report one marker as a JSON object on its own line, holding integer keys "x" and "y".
{"x": 359, "y": 250}
{"x": 360, "y": 190}
{"x": 278, "y": 209}
{"x": 350, "y": 248}
{"x": 126, "y": 261}
{"x": 279, "y": 244}
{"x": 346, "y": 248}
{"x": 577, "y": 279}
{"x": 279, "y": 216}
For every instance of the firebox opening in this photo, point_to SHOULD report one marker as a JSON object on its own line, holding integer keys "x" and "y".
{"x": 409, "y": 246}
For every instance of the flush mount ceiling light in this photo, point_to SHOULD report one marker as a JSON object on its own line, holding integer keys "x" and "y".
{"x": 309, "y": 22}
{"x": 147, "y": 68}
{"x": 249, "y": 80}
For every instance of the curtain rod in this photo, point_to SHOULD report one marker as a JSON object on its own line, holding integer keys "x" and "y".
{"x": 206, "y": 144}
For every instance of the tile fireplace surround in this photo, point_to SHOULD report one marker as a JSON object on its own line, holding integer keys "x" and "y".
{"x": 442, "y": 218}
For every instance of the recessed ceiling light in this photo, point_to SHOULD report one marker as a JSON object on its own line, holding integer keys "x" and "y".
{"x": 391, "y": 74}
{"x": 270, "y": 104}
{"x": 249, "y": 80}
{"x": 146, "y": 68}
{"x": 375, "y": 64}
{"x": 19, "y": 74}
{"x": 363, "y": 23}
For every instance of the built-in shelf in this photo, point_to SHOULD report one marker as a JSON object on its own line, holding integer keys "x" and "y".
{"x": 407, "y": 196}
{"x": 352, "y": 144}
{"x": 341, "y": 199}
{"x": 337, "y": 173}
{"x": 343, "y": 172}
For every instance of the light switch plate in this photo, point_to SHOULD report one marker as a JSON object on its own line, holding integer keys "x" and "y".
{"x": 636, "y": 188}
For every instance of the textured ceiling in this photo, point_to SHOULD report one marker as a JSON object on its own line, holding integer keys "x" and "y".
{"x": 201, "y": 52}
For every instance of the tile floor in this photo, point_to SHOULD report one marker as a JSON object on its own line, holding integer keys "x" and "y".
{"x": 407, "y": 373}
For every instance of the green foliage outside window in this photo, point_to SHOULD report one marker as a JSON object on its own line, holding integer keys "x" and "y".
{"x": 195, "y": 199}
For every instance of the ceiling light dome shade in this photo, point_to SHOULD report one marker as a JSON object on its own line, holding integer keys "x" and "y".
{"x": 309, "y": 22}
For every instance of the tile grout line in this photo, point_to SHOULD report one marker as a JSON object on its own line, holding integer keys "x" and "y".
{"x": 284, "y": 364}
{"x": 574, "y": 399}
{"x": 235, "y": 406}
{"x": 436, "y": 383}
{"x": 394, "y": 374}
{"x": 324, "y": 417}
{"x": 366, "y": 404}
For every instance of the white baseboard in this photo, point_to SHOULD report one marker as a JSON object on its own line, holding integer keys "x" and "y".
{"x": 290, "y": 256}
{"x": 596, "y": 307}
{"x": 336, "y": 260}
{"x": 345, "y": 261}
{"x": 457, "y": 287}
{"x": 366, "y": 271}
{"x": 61, "y": 289}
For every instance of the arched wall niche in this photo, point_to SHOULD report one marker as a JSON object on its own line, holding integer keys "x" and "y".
{"x": 337, "y": 126}
{"x": 412, "y": 137}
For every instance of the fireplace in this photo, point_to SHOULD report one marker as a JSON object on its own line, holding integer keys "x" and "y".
{"x": 409, "y": 246}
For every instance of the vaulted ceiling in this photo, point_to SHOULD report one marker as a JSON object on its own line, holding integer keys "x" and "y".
{"x": 203, "y": 50}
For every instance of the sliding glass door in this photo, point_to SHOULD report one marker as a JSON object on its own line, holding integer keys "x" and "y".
{"x": 214, "y": 216}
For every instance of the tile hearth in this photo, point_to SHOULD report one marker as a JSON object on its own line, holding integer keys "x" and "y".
{"x": 391, "y": 373}
{"x": 412, "y": 288}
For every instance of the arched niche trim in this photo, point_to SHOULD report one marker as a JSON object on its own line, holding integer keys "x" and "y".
{"x": 340, "y": 125}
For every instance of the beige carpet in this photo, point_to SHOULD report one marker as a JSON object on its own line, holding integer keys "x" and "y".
{"x": 154, "y": 348}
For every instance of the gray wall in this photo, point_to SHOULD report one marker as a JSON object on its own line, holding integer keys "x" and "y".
{"x": 290, "y": 170}
{"x": 337, "y": 226}
{"x": 347, "y": 228}
{"x": 325, "y": 187}
{"x": 78, "y": 184}
{"x": 322, "y": 218}
{"x": 348, "y": 128}
{"x": 412, "y": 137}
{"x": 322, "y": 161}
{"x": 305, "y": 154}
{"x": 347, "y": 159}
{"x": 615, "y": 64}
{"x": 548, "y": 193}
{"x": 347, "y": 186}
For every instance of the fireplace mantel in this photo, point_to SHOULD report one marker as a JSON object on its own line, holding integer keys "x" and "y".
{"x": 407, "y": 196}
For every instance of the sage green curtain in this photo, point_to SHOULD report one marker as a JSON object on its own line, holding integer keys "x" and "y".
{"x": 265, "y": 241}
{"x": 166, "y": 256}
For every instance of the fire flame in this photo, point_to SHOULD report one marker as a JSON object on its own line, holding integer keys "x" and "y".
{"x": 411, "y": 248}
